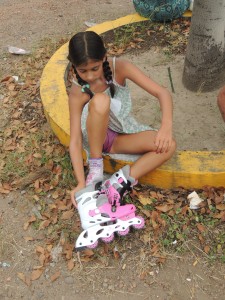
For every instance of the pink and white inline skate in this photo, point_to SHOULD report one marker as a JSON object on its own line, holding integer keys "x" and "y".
{"x": 103, "y": 213}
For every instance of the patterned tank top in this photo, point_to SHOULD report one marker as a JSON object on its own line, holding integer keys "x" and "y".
{"x": 120, "y": 118}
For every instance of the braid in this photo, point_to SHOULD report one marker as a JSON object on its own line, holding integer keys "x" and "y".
{"x": 108, "y": 76}
{"x": 84, "y": 84}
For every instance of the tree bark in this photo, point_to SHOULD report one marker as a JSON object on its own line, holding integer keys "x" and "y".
{"x": 204, "y": 66}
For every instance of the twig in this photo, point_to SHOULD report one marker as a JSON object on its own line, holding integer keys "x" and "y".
{"x": 171, "y": 80}
{"x": 78, "y": 257}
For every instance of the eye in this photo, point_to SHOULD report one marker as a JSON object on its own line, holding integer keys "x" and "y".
{"x": 95, "y": 69}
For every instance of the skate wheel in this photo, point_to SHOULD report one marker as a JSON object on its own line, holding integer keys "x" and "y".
{"x": 108, "y": 239}
{"x": 141, "y": 224}
{"x": 93, "y": 246}
{"x": 124, "y": 232}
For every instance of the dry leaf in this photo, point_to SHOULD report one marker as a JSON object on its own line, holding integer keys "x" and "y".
{"x": 40, "y": 249}
{"x": 220, "y": 206}
{"x": 37, "y": 155}
{"x": 44, "y": 224}
{"x": 70, "y": 264}
{"x": 67, "y": 215}
{"x": 31, "y": 220}
{"x": 207, "y": 249}
{"x": 36, "y": 274}
{"x": 4, "y": 191}
{"x": 28, "y": 238}
{"x": 164, "y": 208}
{"x": 116, "y": 253}
{"x": 88, "y": 252}
{"x": 24, "y": 278}
{"x": 144, "y": 200}
{"x": 201, "y": 227}
{"x": 55, "y": 276}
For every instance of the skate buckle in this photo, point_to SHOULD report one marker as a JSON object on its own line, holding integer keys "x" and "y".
{"x": 113, "y": 207}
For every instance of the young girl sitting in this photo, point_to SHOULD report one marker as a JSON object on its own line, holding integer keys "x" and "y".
{"x": 100, "y": 119}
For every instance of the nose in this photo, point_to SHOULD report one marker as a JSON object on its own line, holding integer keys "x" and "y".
{"x": 90, "y": 76}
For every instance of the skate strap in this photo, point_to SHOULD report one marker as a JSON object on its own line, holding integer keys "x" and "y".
{"x": 98, "y": 186}
{"x": 126, "y": 187}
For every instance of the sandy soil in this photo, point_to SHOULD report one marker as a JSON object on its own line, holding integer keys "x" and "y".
{"x": 134, "y": 275}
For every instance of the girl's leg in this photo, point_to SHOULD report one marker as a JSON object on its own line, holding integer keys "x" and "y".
{"x": 141, "y": 143}
{"x": 97, "y": 123}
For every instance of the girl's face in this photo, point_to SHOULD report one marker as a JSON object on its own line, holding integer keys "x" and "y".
{"x": 91, "y": 71}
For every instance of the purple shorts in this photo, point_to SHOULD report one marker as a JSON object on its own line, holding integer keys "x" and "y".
{"x": 110, "y": 137}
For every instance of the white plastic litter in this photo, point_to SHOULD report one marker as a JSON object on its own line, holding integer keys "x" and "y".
{"x": 15, "y": 50}
{"x": 16, "y": 78}
{"x": 90, "y": 23}
{"x": 195, "y": 200}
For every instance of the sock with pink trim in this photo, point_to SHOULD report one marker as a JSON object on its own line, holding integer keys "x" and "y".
{"x": 95, "y": 173}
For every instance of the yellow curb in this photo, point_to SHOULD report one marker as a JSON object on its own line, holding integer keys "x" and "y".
{"x": 189, "y": 169}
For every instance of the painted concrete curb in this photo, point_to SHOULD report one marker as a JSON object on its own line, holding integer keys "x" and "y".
{"x": 189, "y": 169}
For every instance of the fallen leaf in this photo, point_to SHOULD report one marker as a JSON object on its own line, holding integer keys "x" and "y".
{"x": 36, "y": 274}
{"x": 201, "y": 227}
{"x": 144, "y": 200}
{"x": 116, "y": 253}
{"x": 55, "y": 276}
{"x": 67, "y": 215}
{"x": 70, "y": 264}
{"x": 24, "y": 278}
{"x": 31, "y": 220}
{"x": 4, "y": 191}
{"x": 28, "y": 238}
{"x": 88, "y": 252}
{"x": 164, "y": 208}
{"x": 220, "y": 206}
{"x": 44, "y": 224}
{"x": 40, "y": 249}
{"x": 207, "y": 249}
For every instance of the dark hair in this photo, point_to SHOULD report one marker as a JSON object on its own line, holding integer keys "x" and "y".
{"x": 85, "y": 46}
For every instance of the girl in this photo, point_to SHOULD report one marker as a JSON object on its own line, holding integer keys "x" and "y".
{"x": 100, "y": 120}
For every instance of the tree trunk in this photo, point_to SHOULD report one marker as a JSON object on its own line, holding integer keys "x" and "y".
{"x": 204, "y": 66}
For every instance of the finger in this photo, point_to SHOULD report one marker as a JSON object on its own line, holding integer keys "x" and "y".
{"x": 169, "y": 145}
{"x": 159, "y": 147}
{"x": 73, "y": 199}
{"x": 163, "y": 148}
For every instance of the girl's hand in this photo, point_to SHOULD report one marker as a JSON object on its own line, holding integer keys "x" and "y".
{"x": 74, "y": 191}
{"x": 163, "y": 140}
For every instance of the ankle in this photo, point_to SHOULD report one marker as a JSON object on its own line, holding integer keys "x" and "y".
{"x": 95, "y": 173}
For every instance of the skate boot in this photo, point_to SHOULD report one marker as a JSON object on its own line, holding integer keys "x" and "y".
{"x": 103, "y": 212}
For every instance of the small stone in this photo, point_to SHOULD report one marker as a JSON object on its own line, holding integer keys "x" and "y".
{"x": 69, "y": 280}
{"x": 111, "y": 287}
{"x": 121, "y": 285}
{"x": 9, "y": 293}
{"x": 105, "y": 285}
{"x": 40, "y": 295}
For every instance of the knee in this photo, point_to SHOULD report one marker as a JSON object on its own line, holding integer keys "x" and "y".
{"x": 221, "y": 102}
{"x": 173, "y": 147}
{"x": 171, "y": 150}
{"x": 100, "y": 104}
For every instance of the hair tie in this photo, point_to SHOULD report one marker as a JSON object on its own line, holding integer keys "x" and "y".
{"x": 109, "y": 82}
{"x": 84, "y": 87}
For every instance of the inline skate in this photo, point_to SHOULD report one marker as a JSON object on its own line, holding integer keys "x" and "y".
{"x": 103, "y": 211}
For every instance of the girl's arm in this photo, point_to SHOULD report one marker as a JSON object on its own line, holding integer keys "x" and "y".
{"x": 77, "y": 100}
{"x": 126, "y": 70}
{"x": 221, "y": 102}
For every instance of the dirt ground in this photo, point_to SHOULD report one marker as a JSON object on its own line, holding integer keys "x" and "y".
{"x": 132, "y": 274}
